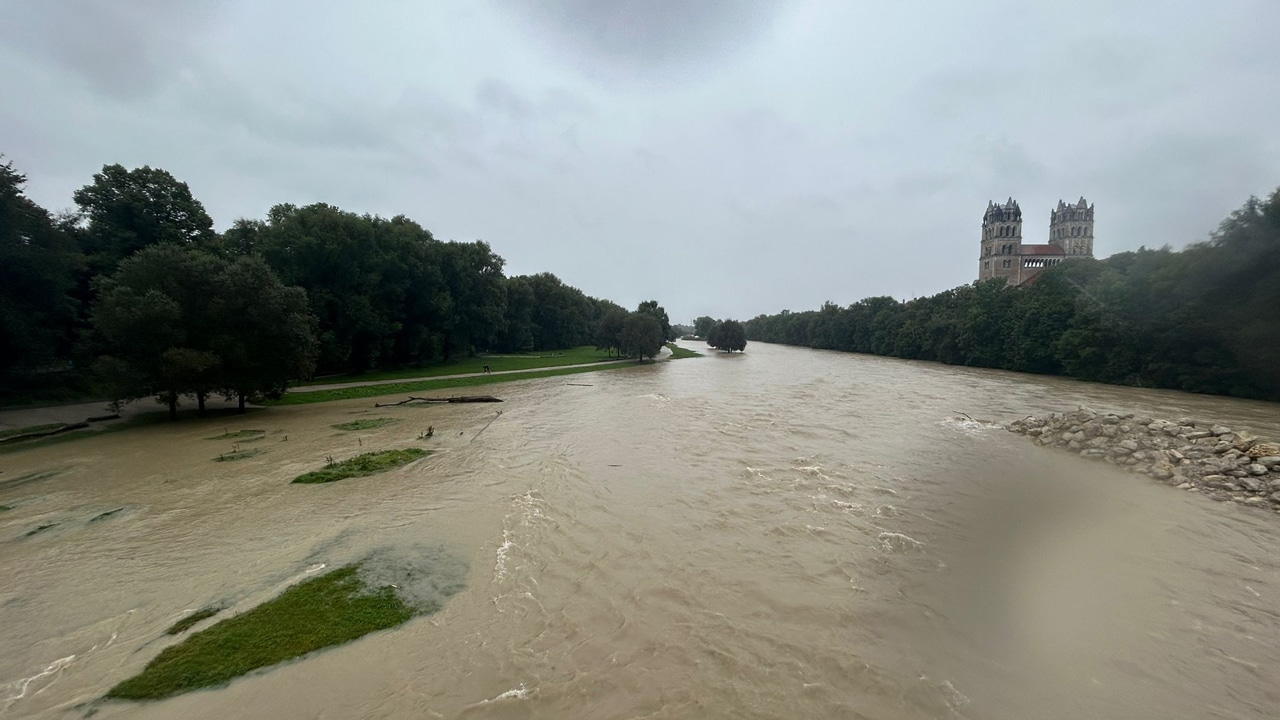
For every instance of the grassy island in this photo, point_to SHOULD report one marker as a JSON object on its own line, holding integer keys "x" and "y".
{"x": 367, "y": 464}
{"x": 335, "y": 608}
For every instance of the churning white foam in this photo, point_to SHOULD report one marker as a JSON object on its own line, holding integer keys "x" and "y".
{"x": 18, "y": 690}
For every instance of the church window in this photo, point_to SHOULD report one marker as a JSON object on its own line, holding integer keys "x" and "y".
{"x": 1008, "y": 263}
{"x": 986, "y": 265}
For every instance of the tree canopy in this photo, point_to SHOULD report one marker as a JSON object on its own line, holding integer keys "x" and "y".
{"x": 138, "y": 286}
{"x": 728, "y": 335}
{"x": 127, "y": 210}
{"x": 180, "y": 321}
{"x": 641, "y": 335}
{"x": 39, "y": 268}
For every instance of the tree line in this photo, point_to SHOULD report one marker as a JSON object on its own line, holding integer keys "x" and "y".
{"x": 1205, "y": 319}
{"x": 133, "y": 294}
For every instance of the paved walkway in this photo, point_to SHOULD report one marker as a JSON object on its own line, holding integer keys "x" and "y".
{"x": 339, "y": 386}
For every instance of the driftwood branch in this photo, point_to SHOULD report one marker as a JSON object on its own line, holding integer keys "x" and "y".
{"x": 456, "y": 399}
{"x": 486, "y": 426}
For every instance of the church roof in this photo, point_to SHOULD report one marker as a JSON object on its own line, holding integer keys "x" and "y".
{"x": 1041, "y": 250}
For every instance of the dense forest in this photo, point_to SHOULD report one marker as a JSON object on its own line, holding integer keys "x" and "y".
{"x": 134, "y": 294}
{"x": 1205, "y": 319}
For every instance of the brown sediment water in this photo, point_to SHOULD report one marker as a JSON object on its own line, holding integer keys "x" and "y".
{"x": 783, "y": 533}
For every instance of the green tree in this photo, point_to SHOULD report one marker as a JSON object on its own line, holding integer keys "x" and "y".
{"x": 729, "y": 336}
{"x": 38, "y": 272}
{"x": 641, "y": 335}
{"x": 472, "y": 273}
{"x": 265, "y": 332}
{"x": 154, "y": 316}
{"x": 608, "y": 335}
{"x": 518, "y": 323}
{"x": 652, "y": 307}
{"x": 127, "y": 210}
{"x": 702, "y": 326}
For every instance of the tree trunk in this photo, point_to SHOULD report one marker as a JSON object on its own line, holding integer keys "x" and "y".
{"x": 241, "y": 403}
{"x": 173, "y": 406}
{"x": 200, "y": 396}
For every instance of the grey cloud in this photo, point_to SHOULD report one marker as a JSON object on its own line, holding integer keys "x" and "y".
{"x": 635, "y": 37}
{"x": 498, "y": 97}
{"x": 813, "y": 150}
{"x": 125, "y": 49}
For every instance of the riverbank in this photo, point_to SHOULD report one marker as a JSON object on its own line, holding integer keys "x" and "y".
{"x": 21, "y": 418}
{"x": 1224, "y": 463}
{"x": 143, "y": 413}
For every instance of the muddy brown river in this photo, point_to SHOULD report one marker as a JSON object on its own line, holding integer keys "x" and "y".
{"x": 786, "y": 533}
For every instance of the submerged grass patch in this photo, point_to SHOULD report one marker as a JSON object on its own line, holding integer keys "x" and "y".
{"x": 38, "y": 530}
{"x": 678, "y": 353}
{"x": 105, "y": 515}
{"x": 29, "y": 429}
{"x": 28, "y": 478}
{"x": 361, "y": 465}
{"x": 5, "y": 507}
{"x": 335, "y": 608}
{"x": 239, "y": 455}
{"x": 366, "y": 424}
{"x": 241, "y": 435}
{"x": 185, "y": 623}
{"x": 46, "y": 441}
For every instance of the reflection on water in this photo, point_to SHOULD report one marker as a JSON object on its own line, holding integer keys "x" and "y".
{"x": 786, "y": 533}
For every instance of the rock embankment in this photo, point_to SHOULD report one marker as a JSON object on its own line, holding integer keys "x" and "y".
{"x": 1211, "y": 458}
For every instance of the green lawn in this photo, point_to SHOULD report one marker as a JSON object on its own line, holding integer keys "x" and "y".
{"x": 366, "y": 391}
{"x": 678, "y": 353}
{"x": 525, "y": 361}
{"x": 335, "y": 608}
{"x": 361, "y": 465}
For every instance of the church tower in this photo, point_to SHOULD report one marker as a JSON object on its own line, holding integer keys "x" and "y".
{"x": 1002, "y": 241}
{"x": 1071, "y": 228}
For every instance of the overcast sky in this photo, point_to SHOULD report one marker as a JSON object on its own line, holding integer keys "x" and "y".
{"x": 727, "y": 157}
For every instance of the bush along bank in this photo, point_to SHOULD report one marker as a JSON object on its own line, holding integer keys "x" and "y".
{"x": 1211, "y": 458}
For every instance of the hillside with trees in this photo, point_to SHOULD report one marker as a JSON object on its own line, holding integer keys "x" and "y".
{"x": 1205, "y": 319}
{"x": 134, "y": 294}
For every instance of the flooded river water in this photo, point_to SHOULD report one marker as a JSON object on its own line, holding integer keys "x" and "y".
{"x": 781, "y": 534}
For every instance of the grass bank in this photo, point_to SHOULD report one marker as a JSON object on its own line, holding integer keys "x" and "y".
{"x": 496, "y": 363}
{"x": 361, "y": 465}
{"x": 189, "y": 621}
{"x": 679, "y": 353}
{"x": 335, "y": 608}
{"x": 367, "y": 391}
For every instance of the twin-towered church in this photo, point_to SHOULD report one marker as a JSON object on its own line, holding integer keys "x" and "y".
{"x": 1004, "y": 255}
